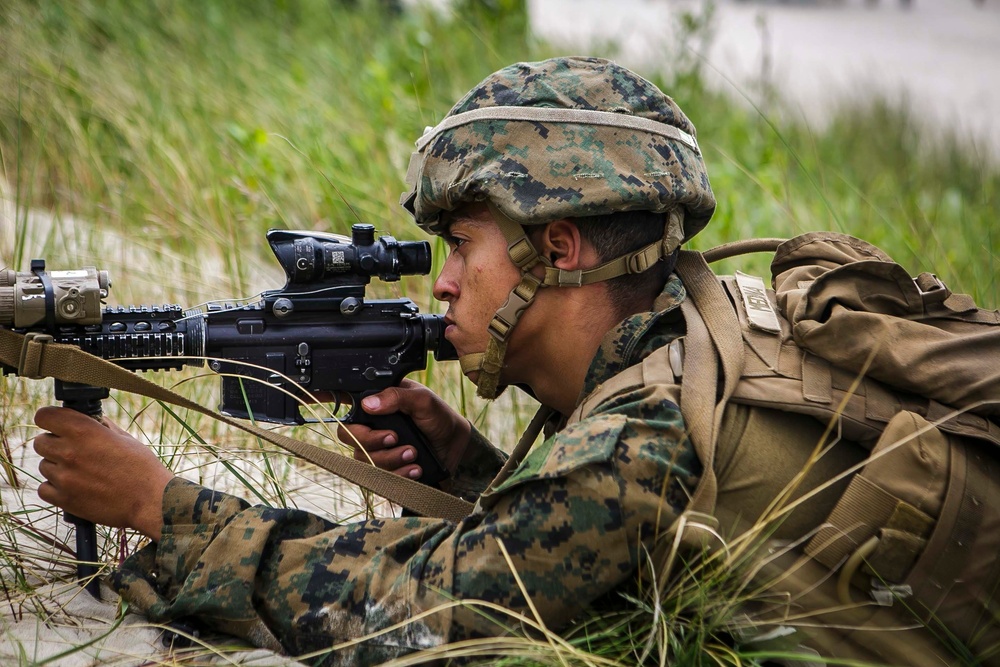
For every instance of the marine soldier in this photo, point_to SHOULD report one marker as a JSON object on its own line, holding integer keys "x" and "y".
{"x": 564, "y": 189}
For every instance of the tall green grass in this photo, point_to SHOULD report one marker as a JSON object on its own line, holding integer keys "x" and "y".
{"x": 179, "y": 132}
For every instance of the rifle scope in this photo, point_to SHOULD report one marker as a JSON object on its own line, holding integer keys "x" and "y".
{"x": 314, "y": 257}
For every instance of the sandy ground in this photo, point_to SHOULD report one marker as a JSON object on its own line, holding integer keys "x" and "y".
{"x": 944, "y": 55}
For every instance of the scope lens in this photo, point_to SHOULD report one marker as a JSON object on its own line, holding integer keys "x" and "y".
{"x": 414, "y": 257}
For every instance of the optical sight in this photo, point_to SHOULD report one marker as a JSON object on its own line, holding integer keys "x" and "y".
{"x": 316, "y": 257}
{"x": 51, "y": 298}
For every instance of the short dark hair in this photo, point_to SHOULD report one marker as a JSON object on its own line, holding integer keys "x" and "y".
{"x": 616, "y": 234}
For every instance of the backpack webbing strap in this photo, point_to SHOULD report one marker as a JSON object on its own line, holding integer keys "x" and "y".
{"x": 712, "y": 340}
{"x": 523, "y": 446}
{"x": 711, "y": 323}
{"x": 741, "y": 247}
{"x": 37, "y": 356}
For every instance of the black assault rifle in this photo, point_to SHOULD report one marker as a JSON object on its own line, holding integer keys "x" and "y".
{"x": 317, "y": 335}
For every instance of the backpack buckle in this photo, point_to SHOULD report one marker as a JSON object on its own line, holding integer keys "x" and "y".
{"x": 930, "y": 288}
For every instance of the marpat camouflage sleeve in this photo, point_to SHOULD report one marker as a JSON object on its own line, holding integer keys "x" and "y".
{"x": 571, "y": 519}
{"x": 481, "y": 463}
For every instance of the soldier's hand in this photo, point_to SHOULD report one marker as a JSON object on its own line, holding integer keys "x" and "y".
{"x": 99, "y": 472}
{"x": 446, "y": 430}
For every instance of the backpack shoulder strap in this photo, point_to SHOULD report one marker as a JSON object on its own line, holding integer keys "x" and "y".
{"x": 713, "y": 348}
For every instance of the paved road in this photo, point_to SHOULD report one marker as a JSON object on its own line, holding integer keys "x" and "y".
{"x": 944, "y": 53}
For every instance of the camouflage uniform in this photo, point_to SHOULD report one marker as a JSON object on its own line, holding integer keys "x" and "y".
{"x": 574, "y": 517}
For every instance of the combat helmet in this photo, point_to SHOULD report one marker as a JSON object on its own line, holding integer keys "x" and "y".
{"x": 560, "y": 138}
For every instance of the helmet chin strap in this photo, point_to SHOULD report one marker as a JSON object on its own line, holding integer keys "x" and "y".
{"x": 524, "y": 255}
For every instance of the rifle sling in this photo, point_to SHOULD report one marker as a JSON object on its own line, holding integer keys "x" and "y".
{"x": 36, "y": 356}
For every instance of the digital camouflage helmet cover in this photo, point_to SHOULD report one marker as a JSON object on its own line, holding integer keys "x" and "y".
{"x": 561, "y": 138}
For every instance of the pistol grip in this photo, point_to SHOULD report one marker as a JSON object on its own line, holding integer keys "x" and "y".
{"x": 406, "y": 434}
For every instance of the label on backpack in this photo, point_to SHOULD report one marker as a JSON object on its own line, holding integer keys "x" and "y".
{"x": 758, "y": 307}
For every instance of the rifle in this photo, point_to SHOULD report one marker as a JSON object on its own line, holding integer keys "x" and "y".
{"x": 315, "y": 338}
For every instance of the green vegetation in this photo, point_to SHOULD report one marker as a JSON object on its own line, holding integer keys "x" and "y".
{"x": 161, "y": 140}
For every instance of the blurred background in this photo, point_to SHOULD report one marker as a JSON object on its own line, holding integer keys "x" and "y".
{"x": 941, "y": 58}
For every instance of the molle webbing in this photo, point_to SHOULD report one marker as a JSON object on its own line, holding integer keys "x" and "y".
{"x": 779, "y": 374}
{"x": 717, "y": 352}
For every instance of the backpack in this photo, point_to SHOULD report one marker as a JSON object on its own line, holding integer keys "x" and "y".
{"x": 897, "y": 364}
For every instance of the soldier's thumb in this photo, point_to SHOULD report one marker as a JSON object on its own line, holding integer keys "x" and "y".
{"x": 383, "y": 403}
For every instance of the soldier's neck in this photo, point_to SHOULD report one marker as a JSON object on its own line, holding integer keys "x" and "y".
{"x": 563, "y": 342}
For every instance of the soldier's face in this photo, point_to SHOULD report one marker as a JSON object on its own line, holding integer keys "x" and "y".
{"x": 476, "y": 278}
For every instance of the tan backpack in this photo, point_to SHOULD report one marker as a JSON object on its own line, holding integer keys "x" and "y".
{"x": 898, "y": 364}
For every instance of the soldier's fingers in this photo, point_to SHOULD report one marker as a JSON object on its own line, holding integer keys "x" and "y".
{"x": 397, "y": 460}
{"x": 56, "y": 449}
{"x": 46, "y": 445}
{"x": 48, "y": 493}
{"x": 409, "y": 397}
{"x": 389, "y": 459}
{"x": 412, "y": 471}
{"x": 65, "y": 425}
{"x": 352, "y": 434}
{"x": 47, "y": 417}
{"x": 113, "y": 426}
{"x": 47, "y": 469}
{"x": 62, "y": 421}
{"x": 358, "y": 435}
{"x": 383, "y": 403}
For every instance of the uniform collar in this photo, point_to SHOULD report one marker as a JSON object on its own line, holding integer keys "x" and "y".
{"x": 635, "y": 336}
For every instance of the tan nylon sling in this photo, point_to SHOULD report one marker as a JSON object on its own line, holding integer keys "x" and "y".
{"x": 713, "y": 337}
{"x": 36, "y": 356}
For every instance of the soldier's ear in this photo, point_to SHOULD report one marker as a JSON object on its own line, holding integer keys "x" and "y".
{"x": 562, "y": 244}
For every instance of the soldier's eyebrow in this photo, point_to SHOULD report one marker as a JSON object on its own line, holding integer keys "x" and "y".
{"x": 464, "y": 220}
{"x": 449, "y": 233}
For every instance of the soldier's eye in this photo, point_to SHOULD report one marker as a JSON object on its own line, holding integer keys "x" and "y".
{"x": 453, "y": 242}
